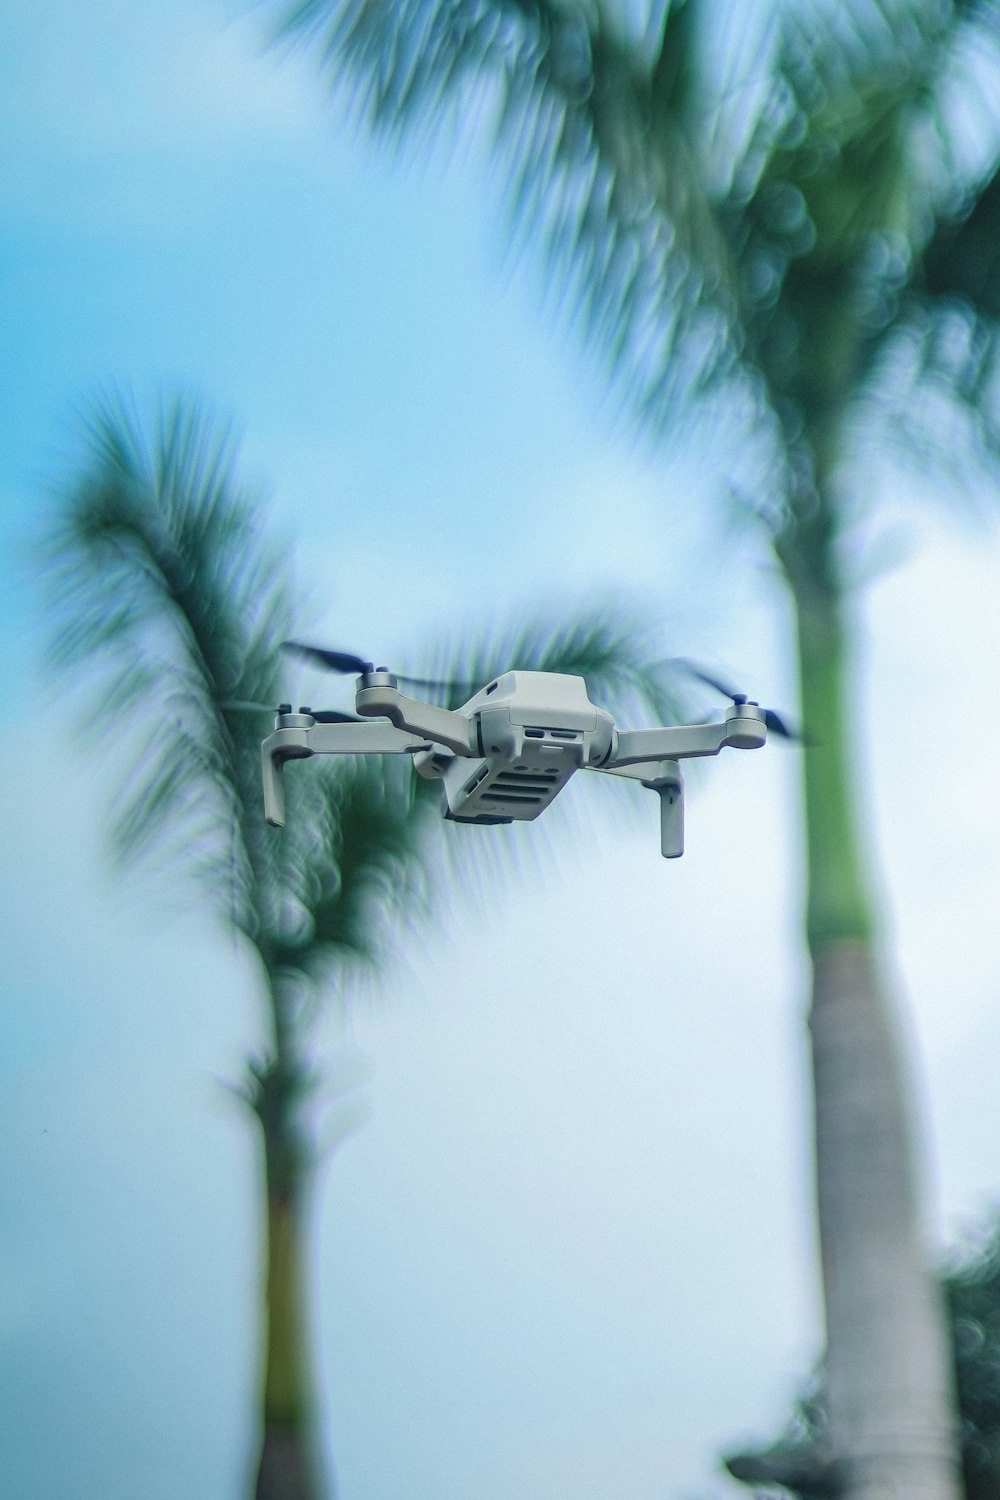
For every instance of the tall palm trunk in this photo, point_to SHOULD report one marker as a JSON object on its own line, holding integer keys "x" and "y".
{"x": 289, "y": 1467}
{"x": 889, "y": 1381}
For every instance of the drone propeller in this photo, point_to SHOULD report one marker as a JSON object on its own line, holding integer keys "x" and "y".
{"x": 332, "y": 661}
{"x": 774, "y": 723}
{"x": 331, "y": 716}
{"x": 321, "y": 715}
{"x": 345, "y": 661}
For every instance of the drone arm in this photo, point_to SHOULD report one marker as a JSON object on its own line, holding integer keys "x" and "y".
{"x": 364, "y": 739}
{"x": 303, "y": 740}
{"x": 638, "y": 745}
{"x": 743, "y": 729}
{"x": 442, "y": 725}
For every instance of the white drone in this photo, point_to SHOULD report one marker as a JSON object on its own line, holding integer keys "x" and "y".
{"x": 505, "y": 754}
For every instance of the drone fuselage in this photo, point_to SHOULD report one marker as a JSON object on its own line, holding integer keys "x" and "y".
{"x": 534, "y": 729}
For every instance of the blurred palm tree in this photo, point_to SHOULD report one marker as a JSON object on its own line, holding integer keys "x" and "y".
{"x": 971, "y": 1287}
{"x": 781, "y": 221}
{"x": 164, "y": 581}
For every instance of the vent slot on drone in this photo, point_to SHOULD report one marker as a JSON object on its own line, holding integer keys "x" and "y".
{"x": 526, "y": 787}
{"x": 523, "y": 800}
{"x": 523, "y": 780}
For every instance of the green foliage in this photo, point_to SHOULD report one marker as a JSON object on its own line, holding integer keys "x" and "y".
{"x": 605, "y": 646}
{"x": 972, "y": 1290}
{"x": 161, "y": 581}
{"x": 368, "y": 828}
{"x": 587, "y": 119}
{"x": 962, "y": 259}
{"x": 169, "y": 601}
{"x": 798, "y": 1462}
{"x": 789, "y": 230}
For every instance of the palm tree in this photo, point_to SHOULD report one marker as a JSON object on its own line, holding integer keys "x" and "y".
{"x": 164, "y": 583}
{"x": 971, "y": 1287}
{"x": 787, "y": 230}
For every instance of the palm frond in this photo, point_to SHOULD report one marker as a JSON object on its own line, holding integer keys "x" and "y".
{"x": 750, "y": 236}
{"x": 364, "y": 845}
{"x": 592, "y": 122}
{"x": 962, "y": 257}
{"x": 375, "y": 837}
{"x": 167, "y": 603}
{"x": 823, "y": 204}
{"x": 606, "y": 647}
{"x": 936, "y": 397}
{"x": 353, "y": 863}
{"x": 169, "y": 606}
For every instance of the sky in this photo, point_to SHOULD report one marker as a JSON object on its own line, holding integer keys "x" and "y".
{"x": 569, "y": 1251}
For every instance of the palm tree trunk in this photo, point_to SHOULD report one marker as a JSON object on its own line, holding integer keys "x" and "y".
{"x": 889, "y": 1378}
{"x": 289, "y": 1467}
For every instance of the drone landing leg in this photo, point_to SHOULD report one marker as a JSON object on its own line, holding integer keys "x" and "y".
{"x": 663, "y": 777}
{"x": 671, "y": 819}
{"x": 273, "y": 761}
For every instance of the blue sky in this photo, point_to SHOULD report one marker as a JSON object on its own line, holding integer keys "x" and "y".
{"x": 569, "y": 1253}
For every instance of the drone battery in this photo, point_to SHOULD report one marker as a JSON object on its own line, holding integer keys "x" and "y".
{"x": 513, "y": 790}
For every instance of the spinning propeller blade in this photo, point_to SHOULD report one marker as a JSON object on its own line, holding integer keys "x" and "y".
{"x": 333, "y": 661}
{"x": 345, "y": 661}
{"x": 776, "y": 725}
{"x": 694, "y": 670}
{"x": 321, "y": 715}
{"x": 774, "y": 722}
{"x": 433, "y": 684}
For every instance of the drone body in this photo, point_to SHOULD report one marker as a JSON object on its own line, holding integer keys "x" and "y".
{"x": 533, "y": 730}
{"x": 507, "y": 752}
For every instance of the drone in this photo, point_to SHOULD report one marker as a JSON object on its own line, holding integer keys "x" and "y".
{"x": 505, "y": 755}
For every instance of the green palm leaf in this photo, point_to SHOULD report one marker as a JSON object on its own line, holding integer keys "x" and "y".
{"x": 168, "y": 601}
{"x": 159, "y": 580}
{"x": 590, "y": 119}
{"x": 604, "y": 646}
{"x": 709, "y": 240}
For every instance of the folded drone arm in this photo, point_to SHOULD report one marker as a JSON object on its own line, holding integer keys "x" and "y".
{"x": 743, "y": 729}
{"x": 638, "y": 745}
{"x": 301, "y": 741}
{"x": 374, "y": 738}
{"x": 446, "y": 728}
